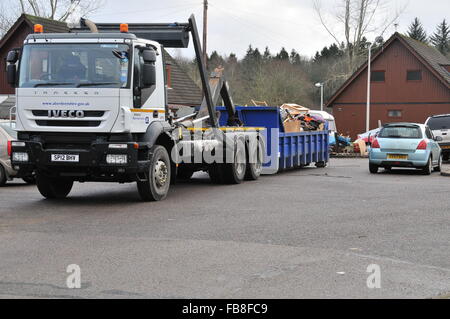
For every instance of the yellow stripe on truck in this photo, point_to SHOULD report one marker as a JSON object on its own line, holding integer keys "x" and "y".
{"x": 147, "y": 111}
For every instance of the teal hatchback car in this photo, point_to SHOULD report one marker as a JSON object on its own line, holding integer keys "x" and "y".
{"x": 405, "y": 145}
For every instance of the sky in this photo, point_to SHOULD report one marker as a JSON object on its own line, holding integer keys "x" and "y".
{"x": 293, "y": 24}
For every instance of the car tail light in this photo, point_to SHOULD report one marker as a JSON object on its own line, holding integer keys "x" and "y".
{"x": 375, "y": 144}
{"x": 422, "y": 145}
{"x": 9, "y": 148}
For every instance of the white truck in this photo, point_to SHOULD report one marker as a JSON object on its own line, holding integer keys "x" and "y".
{"x": 92, "y": 106}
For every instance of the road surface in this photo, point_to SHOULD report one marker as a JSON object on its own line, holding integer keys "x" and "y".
{"x": 310, "y": 233}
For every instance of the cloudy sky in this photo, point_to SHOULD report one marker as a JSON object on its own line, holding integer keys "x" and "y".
{"x": 234, "y": 24}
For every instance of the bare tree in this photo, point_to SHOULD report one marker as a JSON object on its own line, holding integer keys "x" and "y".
{"x": 60, "y": 10}
{"x": 355, "y": 20}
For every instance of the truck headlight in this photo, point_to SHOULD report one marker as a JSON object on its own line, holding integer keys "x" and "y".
{"x": 116, "y": 159}
{"x": 20, "y": 157}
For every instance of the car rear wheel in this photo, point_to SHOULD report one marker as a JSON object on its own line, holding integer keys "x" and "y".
{"x": 2, "y": 176}
{"x": 373, "y": 168}
{"x": 438, "y": 168}
{"x": 428, "y": 169}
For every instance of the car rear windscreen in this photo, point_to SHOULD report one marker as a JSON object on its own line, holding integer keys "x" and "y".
{"x": 401, "y": 132}
{"x": 439, "y": 123}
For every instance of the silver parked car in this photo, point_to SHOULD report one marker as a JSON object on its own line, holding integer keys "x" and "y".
{"x": 7, "y": 134}
{"x": 440, "y": 125}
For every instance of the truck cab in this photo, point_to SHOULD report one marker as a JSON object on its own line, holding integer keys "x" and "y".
{"x": 90, "y": 107}
{"x": 90, "y": 83}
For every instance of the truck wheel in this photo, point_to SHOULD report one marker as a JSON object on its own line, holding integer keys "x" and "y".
{"x": 373, "y": 168}
{"x": 234, "y": 173}
{"x": 321, "y": 164}
{"x": 185, "y": 172}
{"x": 157, "y": 185}
{"x": 254, "y": 163}
{"x": 2, "y": 176}
{"x": 446, "y": 157}
{"x": 53, "y": 188}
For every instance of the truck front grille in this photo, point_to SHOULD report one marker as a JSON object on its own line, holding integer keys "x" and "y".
{"x": 69, "y": 123}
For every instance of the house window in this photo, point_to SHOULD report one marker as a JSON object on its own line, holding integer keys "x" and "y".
{"x": 395, "y": 113}
{"x": 414, "y": 75}
{"x": 378, "y": 76}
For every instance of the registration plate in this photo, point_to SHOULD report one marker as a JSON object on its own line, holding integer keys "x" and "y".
{"x": 68, "y": 158}
{"x": 397, "y": 157}
{"x": 446, "y": 147}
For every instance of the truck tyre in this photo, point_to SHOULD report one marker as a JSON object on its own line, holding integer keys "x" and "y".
{"x": 53, "y": 188}
{"x": 234, "y": 173}
{"x": 373, "y": 168}
{"x": 428, "y": 169}
{"x": 254, "y": 169}
{"x": 446, "y": 157}
{"x": 157, "y": 185}
{"x": 321, "y": 164}
{"x": 2, "y": 176}
{"x": 185, "y": 172}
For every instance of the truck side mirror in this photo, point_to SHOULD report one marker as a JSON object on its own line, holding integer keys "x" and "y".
{"x": 13, "y": 56}
{"x": 149, "y": 69}
{"x": 11, "y": 74}
{"x": 149, "y": 56}
{"x": 11, "y": 70}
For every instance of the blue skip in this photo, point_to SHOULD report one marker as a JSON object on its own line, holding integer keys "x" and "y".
{"x": 284, "y": 151}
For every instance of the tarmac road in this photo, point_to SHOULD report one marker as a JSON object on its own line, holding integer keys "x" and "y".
{"x": 310, "y": 233}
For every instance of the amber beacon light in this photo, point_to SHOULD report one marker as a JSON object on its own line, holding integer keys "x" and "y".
{"x": 124, "y": 28}
{"x": 38, "y": 28}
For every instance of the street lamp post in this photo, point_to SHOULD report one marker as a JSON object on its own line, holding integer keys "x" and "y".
{"x": 369, "y": 74}
{"x": 320, "y": 85}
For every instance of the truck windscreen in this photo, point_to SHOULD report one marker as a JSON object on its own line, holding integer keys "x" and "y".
{"x": 75, "y": 65}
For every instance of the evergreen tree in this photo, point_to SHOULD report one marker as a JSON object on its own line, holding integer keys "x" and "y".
{"x": 441, "y": 38}
{"x": 215, "y": 60}
{"x": 283, "y": 55}
{"x": 317, "y": 57}
{"x": 249, "y": 54}
{"x": 417, "y": 32}
{"x": 256, "y": 56}
{"x": 232, "y": 59}
{"x": 267, "y": 56}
